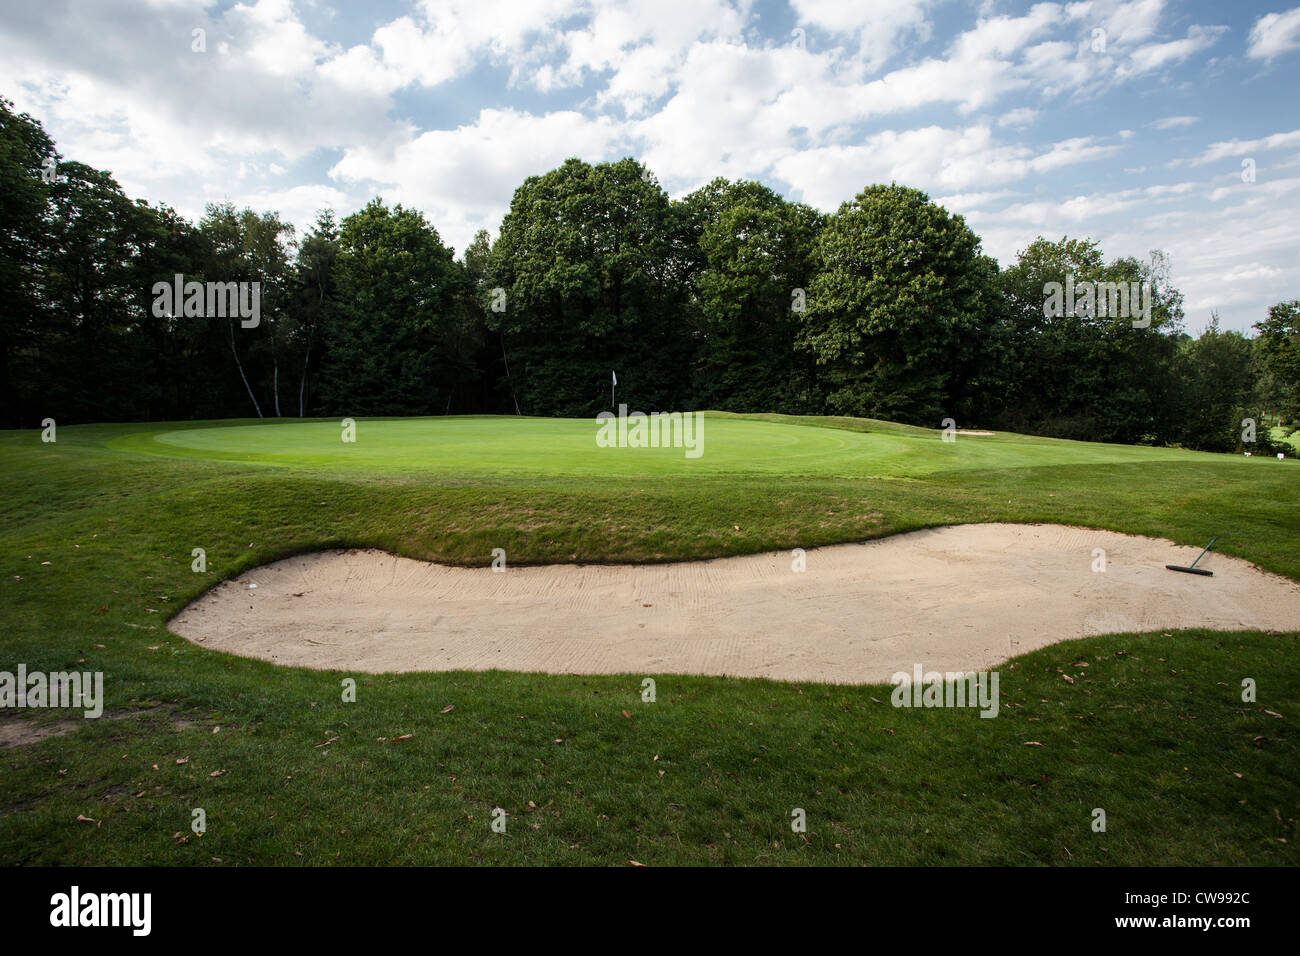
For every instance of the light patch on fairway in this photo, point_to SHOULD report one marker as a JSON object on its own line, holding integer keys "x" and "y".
{"x": 508, "y": 446}
{"x": 959, "y": 598}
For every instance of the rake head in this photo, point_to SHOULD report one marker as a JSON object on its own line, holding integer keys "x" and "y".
{"x": 1192, "y": 568}
{"x": 1178, "y": 567}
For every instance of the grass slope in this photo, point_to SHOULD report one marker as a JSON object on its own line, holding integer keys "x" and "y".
{"x": 1152, "y": 730}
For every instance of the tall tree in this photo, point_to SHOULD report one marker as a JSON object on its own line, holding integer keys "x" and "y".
{"x": 92, "y": 359}
{"x": 900, "y": 285}
{"x": 1081, "y": 371}
{"x": 398, "y": 291}
{"x": 243, "y": 246}
{"x": 25, "y": 151}
{"x": 1279, "y": 339}
{"x": 313, "y": 295}
{"x": 755, "y": 268}
{"x": 1217, "y": 385}
{"x": 587, "y": 261}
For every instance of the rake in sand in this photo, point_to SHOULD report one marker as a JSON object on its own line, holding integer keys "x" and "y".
{"x": 1192, "y": 568}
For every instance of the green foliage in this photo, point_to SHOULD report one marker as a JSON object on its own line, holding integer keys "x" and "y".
{"x": 1093, "y": 377}
{"x": 313, "y": 291}
{"x": 900, "y": 287}
{"x": 694, "y": 303}
{"x": 246, "y": 246}
{"x": 1216, "y": 377}
{"x": 590, "y": 260}
{"x": 24, "y": 213}
{"x": 755, "y": 268}
{"x": 1279, "y": 339}
{"x": 398, "y": 293}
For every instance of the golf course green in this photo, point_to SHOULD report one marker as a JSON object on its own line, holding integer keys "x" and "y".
{"x": 98, "y": 538}
{"x": 732, "y": 445}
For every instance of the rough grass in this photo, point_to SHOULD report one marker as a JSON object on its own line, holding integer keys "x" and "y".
{"x": 1153, "y": 730}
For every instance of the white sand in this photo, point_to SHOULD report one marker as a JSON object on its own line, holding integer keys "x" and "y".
{"x": 957, "y": 598}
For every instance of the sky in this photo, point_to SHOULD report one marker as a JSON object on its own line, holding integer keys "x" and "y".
{"x": 1142, "y": 124}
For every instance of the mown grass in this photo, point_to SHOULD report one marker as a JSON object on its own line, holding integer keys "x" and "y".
{"x": 1153, "y": 730}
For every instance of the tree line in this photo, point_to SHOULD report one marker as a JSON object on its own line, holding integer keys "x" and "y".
{"x": 731, "y": 298}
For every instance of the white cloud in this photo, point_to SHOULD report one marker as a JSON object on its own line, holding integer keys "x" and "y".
{"x": 463, "y": 179}
{"x": 1238, "y": 147}
{"x": 1133, "y": 22}
{"x": 1275, "y": 34}
{"x": 1174, "y": 122}
{"x": 965, "y": 203}
{"x": 879, "y": 29}
{"x": 994, "y": 116}
{"x": 1020, "y": 116}
{"x": 932, "y": 158}
{"x": 1155, "y": 56}
{"x": 274, "y": 41}
{"x": 297, "y": 205}
{"x": 1236, "y": 257}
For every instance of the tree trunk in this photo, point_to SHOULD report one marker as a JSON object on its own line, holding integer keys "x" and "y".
{"x": 508, "y": 378}
{"x": 240, "y": 366}
{"x": 311, "y": 337}
{"x": 275, "y": 372}
{"x": 302, "y": 385}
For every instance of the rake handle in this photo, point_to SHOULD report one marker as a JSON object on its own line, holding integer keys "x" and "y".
{"x": 1207, "y": 548}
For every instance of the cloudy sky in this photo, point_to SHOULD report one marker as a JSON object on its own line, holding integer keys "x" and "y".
{"x": 1140, "y": 124}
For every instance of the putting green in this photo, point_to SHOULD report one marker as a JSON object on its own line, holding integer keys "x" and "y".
{"x": 487, "y": 445}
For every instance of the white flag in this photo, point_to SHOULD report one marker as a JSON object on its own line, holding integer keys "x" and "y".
{"x": 615, "y": 374}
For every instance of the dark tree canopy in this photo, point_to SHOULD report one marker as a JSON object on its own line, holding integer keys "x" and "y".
{"x": 732, "y": 297}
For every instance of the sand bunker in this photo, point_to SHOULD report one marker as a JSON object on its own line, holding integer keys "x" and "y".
{"x": 956, "y": 598}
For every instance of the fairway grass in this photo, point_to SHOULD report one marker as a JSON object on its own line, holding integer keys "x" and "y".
{"x": 482, "y": 446}
{"x": 1153, "y": 730}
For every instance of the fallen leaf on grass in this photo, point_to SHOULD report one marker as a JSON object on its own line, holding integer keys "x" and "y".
{"x": 403, "y": 737}
{"x": 182, "y": 759}
{"x": 1032, "y": 743}
{"x": 83, "y": 819}
{"x": 325, "y": 744}
{"x": 635, "y": 863}
{"x": 448, "y": 709}
{"x": 627, "y": 713}
{"x": 1273, "y": 714}
{"x": 216, "y": 773}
